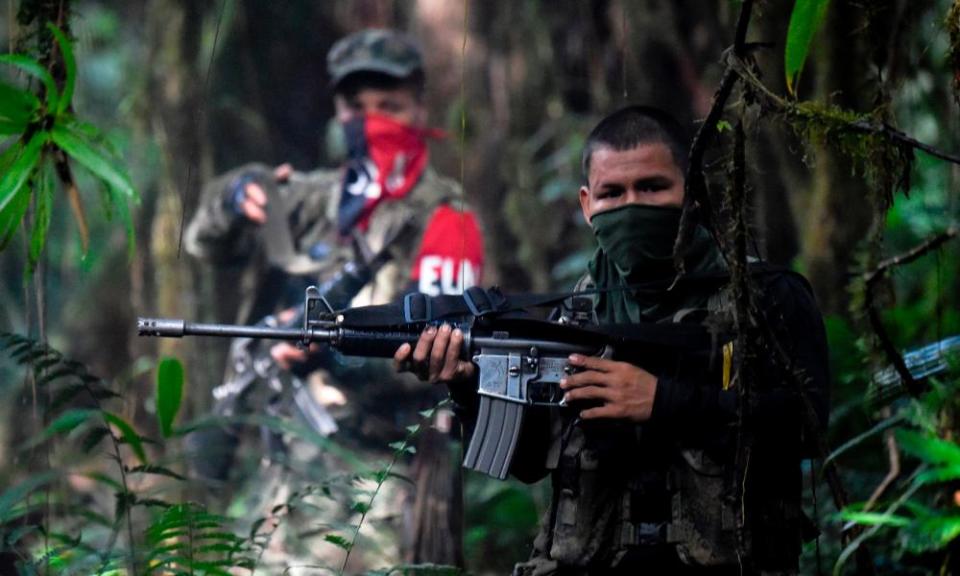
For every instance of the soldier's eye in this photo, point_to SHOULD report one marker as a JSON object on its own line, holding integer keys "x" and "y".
{"x": 651, "y": 185}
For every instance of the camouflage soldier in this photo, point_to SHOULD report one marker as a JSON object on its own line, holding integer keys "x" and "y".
{"x": 644, "y": 467}
{"x": 384, "y": 198}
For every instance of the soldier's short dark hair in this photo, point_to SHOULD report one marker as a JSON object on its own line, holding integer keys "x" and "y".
{"x": 352, "y": 84}
{"x": 632, "y": 126}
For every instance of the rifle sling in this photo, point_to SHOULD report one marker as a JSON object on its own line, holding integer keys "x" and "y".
{"x": 419, "y": 310}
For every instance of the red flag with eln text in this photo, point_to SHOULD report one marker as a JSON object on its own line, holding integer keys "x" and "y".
{"x": 451, "y": 257}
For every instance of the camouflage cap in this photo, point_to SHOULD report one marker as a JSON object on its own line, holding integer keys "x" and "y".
{"x": 386, "y": 51}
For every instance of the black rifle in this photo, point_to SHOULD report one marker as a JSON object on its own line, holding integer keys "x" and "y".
{"x": 521, "y": 360}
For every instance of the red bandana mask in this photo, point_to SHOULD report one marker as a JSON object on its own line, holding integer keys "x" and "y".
{"x": 385, "y": 159}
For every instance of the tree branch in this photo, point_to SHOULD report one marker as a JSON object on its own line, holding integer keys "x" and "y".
{"x": 899, "y": 136}
{"x": 695, "y": 187}
{"x": 862, "y": 125}
{"x": 876, "y": 322}
{"x": 912, "y": 254}
{"x": 893, "y": 456}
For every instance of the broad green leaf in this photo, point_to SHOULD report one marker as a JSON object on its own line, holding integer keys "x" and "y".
{"x": 70, "y": 66}
{"x": 128, "y": 434}
{"x": 938, "y": 475}
{"x": 121, "y": 205}
{"x": 80, "y": 149}
{"x": 17, "y": 105}
{"x": 42, "y": 210}
{"x": 19, "y": 171}
{"x": 68, "y": 421}
{"x": 931, "y": 534}
{"x": 805, "y": 20}
{"x": 169, "y": 393}
{"x": 875, "y": 518}
{"x": 930, "y": 449}
{"x": 34, "y": 68}
{"x": 90, "y": 132}
{"x": 12, "y": 215}
{"x": 9, "y": 127}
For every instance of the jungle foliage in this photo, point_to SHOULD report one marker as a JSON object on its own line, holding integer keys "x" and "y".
{"x": 826, "y": 150}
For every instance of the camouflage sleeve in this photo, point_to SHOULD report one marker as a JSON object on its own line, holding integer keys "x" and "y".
{"x": 216, "y": 232}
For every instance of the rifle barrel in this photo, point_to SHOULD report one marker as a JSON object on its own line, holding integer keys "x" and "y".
{"x": 177, "y": 328}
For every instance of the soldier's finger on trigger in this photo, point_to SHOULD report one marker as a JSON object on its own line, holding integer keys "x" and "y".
{"x": 580, "y": 379}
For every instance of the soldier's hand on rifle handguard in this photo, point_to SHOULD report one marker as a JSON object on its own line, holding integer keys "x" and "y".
{"x": 435, "y": 357}
{"x": 286, "y": 355}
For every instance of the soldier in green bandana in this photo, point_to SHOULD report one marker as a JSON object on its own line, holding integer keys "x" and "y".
{"x": 643, "y": 465}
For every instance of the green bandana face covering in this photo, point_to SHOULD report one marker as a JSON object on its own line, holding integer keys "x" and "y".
{"x": 638, "y": 240}
{"x": 636, "y": 253}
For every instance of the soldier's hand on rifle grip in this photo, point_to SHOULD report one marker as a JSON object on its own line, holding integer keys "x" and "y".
{"x": 436, "y": 357}
{"x": 626, "y": 391}
{"x": 286, "y": 355}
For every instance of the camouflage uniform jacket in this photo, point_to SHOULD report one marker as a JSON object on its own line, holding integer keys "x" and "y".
{"x": 657, "y": 497}
{"x": 309, "y": 208}
{"x": 309, "y": 202}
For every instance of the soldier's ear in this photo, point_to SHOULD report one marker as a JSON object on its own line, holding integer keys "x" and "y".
{"x": 585, "y": 203}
